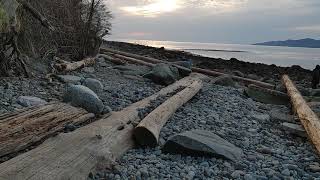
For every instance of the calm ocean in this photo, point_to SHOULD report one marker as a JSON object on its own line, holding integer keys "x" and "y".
{"x": 281, "y": 56}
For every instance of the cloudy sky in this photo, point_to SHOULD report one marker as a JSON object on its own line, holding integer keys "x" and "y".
{"x": 219, "y": 21}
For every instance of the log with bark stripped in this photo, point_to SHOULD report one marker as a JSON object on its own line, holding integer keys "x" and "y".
{"x": 95, "y": 146}
{"x": 68, "y": 66}
{"x": 246, "y": 81}
{"x": 22, "y": 129}
{"x": 308, "y": 118}
{"x": 148, "y": 131}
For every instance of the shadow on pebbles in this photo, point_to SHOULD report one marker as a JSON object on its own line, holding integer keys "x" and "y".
{"x": 269, "y": 152}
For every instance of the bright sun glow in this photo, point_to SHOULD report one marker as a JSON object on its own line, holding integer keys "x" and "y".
{"x": 153, "y": 9}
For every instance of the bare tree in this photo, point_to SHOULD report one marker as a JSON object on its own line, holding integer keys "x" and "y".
{"x": 72, "y": 28}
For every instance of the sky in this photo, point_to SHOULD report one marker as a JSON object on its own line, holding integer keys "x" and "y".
{"x": 216, "y": 21}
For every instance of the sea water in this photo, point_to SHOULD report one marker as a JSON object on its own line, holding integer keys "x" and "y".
{"x": 282, "y": 56}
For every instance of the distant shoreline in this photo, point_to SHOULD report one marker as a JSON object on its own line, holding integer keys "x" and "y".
{"x": 213, "y": 50}
{"x": 303, "y": 43}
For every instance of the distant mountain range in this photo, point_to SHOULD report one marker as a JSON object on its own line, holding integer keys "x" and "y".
{"x": 308, "y": 43}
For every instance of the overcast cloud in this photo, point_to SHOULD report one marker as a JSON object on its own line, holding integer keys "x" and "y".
{"x": 220, "y": 21}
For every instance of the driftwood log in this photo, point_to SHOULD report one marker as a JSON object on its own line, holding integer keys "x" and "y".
{"x": 308, "y": 118}
{"x": 22, "y": 129}
{"x": 140, "y": 59}
{"x": 68, "y": 66}
{"x": 112, "y": 59}
{"x": 126, "y": 56}
{"x": 133, "y": 60}
{"x": 143, "y": 58}
{"x": 95, "y": 146}
{"x": 148, "y": 131}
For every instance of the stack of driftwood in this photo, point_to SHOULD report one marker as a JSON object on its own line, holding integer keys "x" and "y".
{"x": 97, "y": 145}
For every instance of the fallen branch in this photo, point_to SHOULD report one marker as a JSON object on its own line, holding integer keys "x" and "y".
{"x": 93, "y": 147}
{"x": 19, "y": 131}
{"x": 246, "y": 81}
{"x": 308, "y": 118}
{"x": 68, "y": 66}
{"x": 147, "y": 132}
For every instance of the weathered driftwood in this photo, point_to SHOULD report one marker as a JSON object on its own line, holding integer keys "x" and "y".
{"x": 194, "y": 69}
{"x": 68, "y": 66}
{"x": 20, "y": 130}
{"x": 133, "y": 60}
{"x": 140, "y": 59}
{"x": 92, "y": 147}
{"x": 148, "y": 59}
{"x": 148, "y": 131}
{"x": 308, "y": 118}
{"x": 112, "y": 59}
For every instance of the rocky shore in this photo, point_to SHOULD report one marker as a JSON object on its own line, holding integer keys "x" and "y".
{"x": 268, "y": 149}
{"x": 267, "y": 73}
{"x": 270, "y": 152}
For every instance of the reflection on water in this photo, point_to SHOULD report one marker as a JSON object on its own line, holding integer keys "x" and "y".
{"x": 281, "y": 56}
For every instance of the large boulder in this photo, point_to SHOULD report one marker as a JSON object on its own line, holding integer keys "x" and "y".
{"x": 202, "y": 143}
{"x": 267, "y": 96}
{"x": 224, "y": 80}
{"x": 185, "y": 67}
{"x": 70, "y": 79}
{"x": 81, "y": 96}
{"x": 93, "y": 84}
{"x": 238, "y": 73}
{"x": 187, "y": 64}
{"x": 131, "y": 69}
{"x": 27, "y": 101}
{"x": 163, "y": 74}
{"x": 88, "y": 69}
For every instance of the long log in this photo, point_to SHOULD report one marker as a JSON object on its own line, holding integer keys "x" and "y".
{"x": 22, "y": 129}
{"x": 68, "y": 66}
{"x": 93, "y": 147}
{"x": 140, "y": 59}
{"x": 148, "y": 59}
{"x": 246, "y": 81}
{"x": 112, "y": 59}
{"x": 148, "y": 131}
{"x": 308, "y": 118}
{"x": 133, "y": 60}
